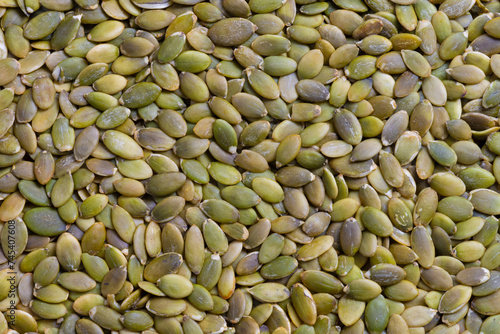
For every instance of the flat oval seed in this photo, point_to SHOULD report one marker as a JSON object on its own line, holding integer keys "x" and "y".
{"x": 218, "y": 32}
{"x": 122, "y": 145}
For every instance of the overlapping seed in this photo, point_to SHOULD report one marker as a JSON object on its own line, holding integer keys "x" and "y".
{"x": 262, "y": 166}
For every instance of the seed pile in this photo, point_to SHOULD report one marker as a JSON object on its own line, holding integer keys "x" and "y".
{"x": 261, "y": 166}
